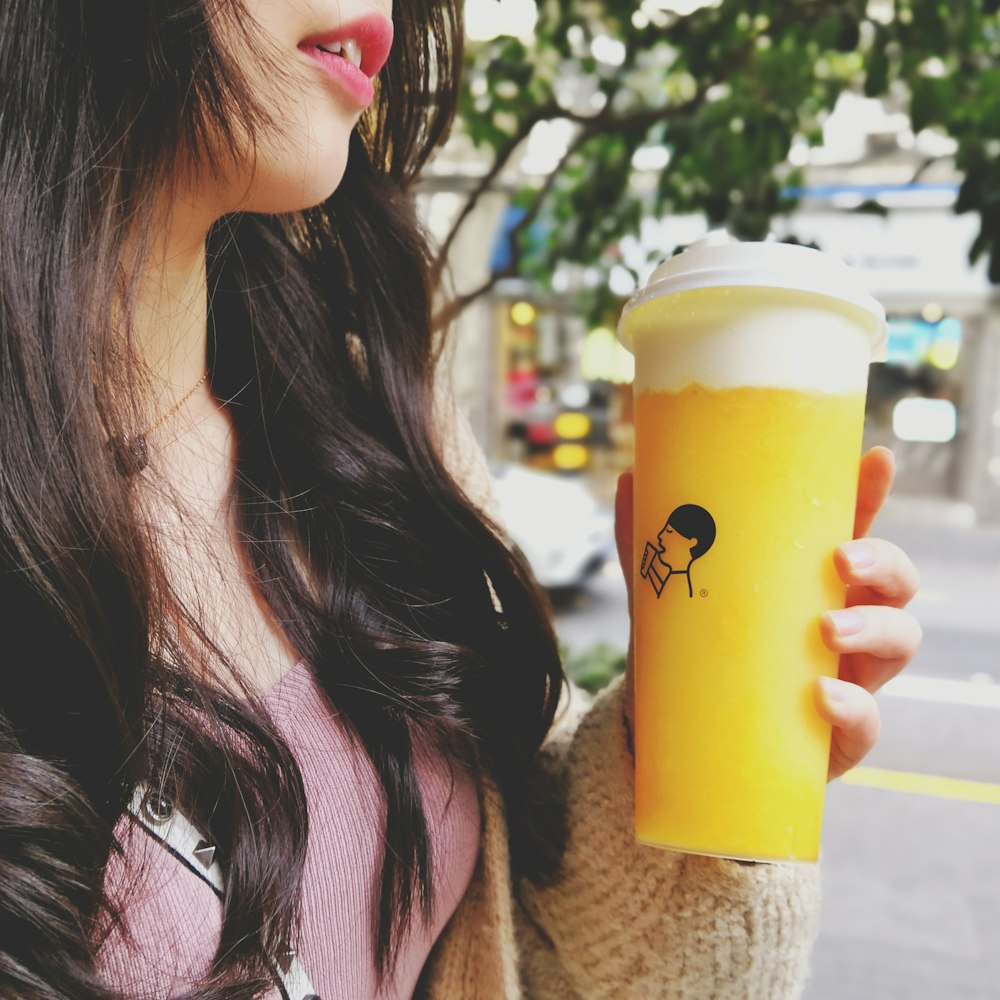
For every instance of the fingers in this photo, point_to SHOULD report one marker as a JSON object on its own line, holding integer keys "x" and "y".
{"x": 623, "y": 529}
{"x": 878, "y": 467}
{"x": 854, "y": 715}
{"x": 875, "y": 642}
{"x": 877, "y": 571}
{"x": 875, "y": 638}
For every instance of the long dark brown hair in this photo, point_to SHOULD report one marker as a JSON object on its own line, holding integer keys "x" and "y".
{"x": 320, "y": 344}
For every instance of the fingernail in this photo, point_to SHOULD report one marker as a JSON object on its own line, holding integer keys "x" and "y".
{"x": 836, "y": 691}
{"x": 847, "y": 622}
{"x": 859, "y": 554}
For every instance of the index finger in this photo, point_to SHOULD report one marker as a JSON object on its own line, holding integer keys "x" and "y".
{"x": 878, "y": 466}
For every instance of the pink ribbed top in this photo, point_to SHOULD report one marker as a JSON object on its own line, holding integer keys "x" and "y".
{"x": 176, "y": 918}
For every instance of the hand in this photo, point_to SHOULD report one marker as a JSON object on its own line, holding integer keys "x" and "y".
{"x": 875, "y": 638}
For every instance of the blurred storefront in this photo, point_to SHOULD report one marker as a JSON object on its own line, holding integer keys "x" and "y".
{"x": 543, "y": 390}
{"x": 566, "y": 394}
{"x": 936, "y": 399}
{"x": 565, "y": 400}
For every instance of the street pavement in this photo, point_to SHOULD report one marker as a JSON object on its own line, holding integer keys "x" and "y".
{"x": 911, "y": 880}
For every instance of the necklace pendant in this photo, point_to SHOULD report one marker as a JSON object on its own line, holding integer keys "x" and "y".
{"x": 131, "y": 454}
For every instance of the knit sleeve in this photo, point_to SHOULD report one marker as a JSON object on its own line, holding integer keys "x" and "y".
{"x": 625, "y": 920}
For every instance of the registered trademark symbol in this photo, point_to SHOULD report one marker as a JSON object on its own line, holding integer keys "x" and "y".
{"x": 704, "y": 593}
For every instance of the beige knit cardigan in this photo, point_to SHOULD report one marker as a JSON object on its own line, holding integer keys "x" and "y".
{"x": 623, "y": 920}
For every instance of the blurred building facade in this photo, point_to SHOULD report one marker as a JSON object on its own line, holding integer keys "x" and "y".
{"x": 522, "y": 356}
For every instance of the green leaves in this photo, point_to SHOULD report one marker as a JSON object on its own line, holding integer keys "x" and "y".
{"x": 877, "y": 63}
{"x": 698, "y": 113}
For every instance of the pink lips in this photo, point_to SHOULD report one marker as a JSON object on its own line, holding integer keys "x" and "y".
{"x": 374, "y": 34}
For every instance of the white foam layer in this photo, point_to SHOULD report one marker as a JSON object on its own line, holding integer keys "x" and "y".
{"x": 795, "y": 347}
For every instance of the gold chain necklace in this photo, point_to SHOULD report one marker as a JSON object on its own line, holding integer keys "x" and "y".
{"x": 131, "y": 454}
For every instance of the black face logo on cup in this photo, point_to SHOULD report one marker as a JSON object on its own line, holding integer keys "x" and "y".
{"x": 687, "y": 534}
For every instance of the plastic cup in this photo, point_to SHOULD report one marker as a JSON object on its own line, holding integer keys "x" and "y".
{"x": 751, "y": 375}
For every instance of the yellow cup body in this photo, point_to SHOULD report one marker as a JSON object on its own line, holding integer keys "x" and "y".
{"x": 743, "y": 490}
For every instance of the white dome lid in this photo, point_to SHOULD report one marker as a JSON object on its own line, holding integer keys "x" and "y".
{"x": 719, "y": 261}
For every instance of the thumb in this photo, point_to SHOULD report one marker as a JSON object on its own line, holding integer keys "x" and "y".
{"x": 623, "y": 529}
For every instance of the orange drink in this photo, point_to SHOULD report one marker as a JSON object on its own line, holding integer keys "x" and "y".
{"x": 749, "y": 414}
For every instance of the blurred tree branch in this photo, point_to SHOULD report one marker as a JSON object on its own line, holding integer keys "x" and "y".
{"x": 722, "y": 92}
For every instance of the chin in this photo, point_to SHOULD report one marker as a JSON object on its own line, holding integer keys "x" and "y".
{"x": 299, "y": 175}
{"x": 294, "y": 191}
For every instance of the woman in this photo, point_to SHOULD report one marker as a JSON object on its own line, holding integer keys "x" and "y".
{"x": 245, "y": 542}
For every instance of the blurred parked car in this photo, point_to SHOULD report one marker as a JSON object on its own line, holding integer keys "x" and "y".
{"x": 564, "y": 533}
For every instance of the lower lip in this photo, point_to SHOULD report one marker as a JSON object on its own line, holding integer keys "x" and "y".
{"x": 358, "y": 86}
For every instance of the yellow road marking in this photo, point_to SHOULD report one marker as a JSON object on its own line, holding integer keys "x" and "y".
{"x": 924, "y": 784}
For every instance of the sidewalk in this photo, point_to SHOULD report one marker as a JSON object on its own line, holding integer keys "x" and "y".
{"x": 911, "y": 901}
{"x": 959, "y": 563}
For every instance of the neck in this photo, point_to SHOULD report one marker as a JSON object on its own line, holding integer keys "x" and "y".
{"x": 170, "y": 318}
